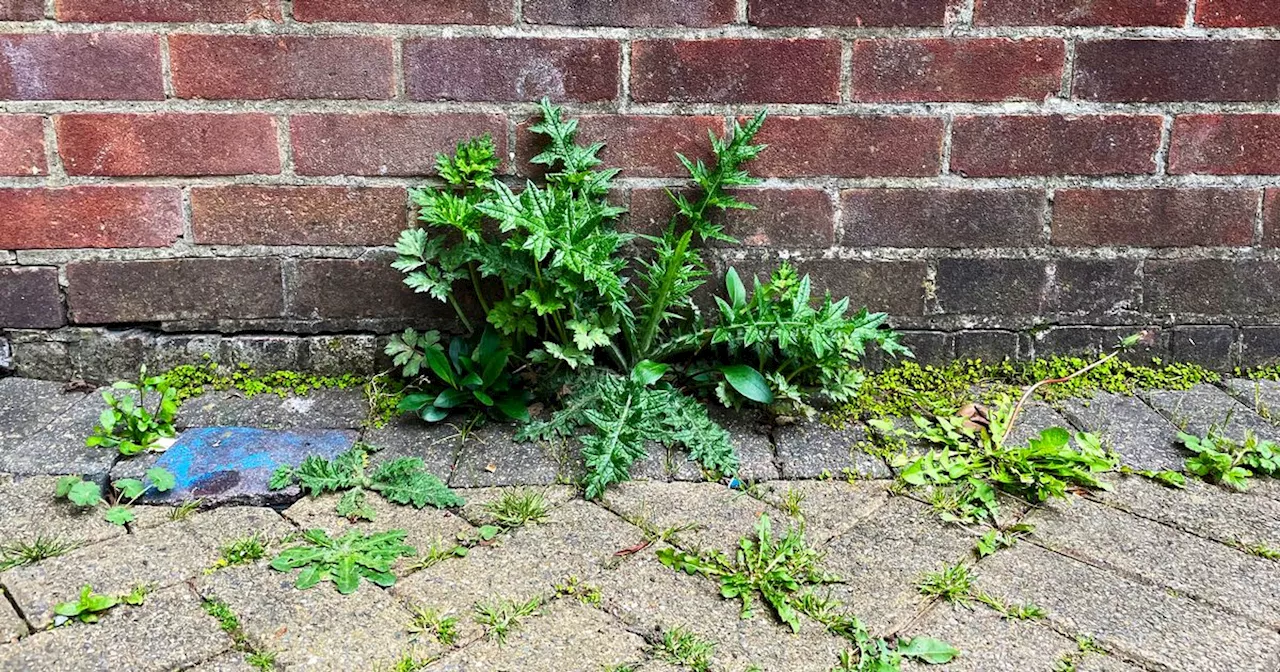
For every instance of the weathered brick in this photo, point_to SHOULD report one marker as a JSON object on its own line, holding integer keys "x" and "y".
{"x": 782, "y": 218}
{"x": 639, "y": 13}
{"x": 1208, "y": 345}
{"x": 102, "y": 292}
{"x": 642, "y": 146}
{"x": 1231, "y": 144}
{"x": 1097, "y": 286}
{"x": 74, "y": 217}
{"x": 203, "y": 11}
{"x": 1080, "y": 12}
{"x": 80, "y": 66}
{"x": 167, "y": 144}
{"x": 1237, "y": 13}
{"x": 262, "y": 67}
{"x": 1176, "y": 70}
{"x": 1260, "y": 346}
{"x": 1271, "y": 218}
{"x": 1212, "y": 287}
{"x": 474, "y": 12}
{"x": 21, "y": 10}
{"x": 843, "y": 146}
{"x": 986, "y": 345}
{"x": 254, "y": 215}
{"x": 847, "y": 12}
{"x": 379, "y": 143}
{"x": 736, "y": 71}
{"x": 517, "y": 69}
{"x": 336, "y": 289}
{"x": 942, "y": 217}
{"x": 992, "y": 286}
{"x": 30, "y": 298}
{"x": 966, "y": 70}
{"x": 993, "y": 146}
{"x": 1154, "y": 217}
{"x": 894, "y": 287}
{"x": 22, "y": 136}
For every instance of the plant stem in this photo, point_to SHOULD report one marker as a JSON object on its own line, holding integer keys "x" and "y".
{"x": 475, "y": 283}
{"x": 461, "y": 315}
{"x": 1051, "y": 381}
{"x": 658, "y": 303}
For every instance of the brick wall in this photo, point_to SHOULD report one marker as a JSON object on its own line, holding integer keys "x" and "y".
{"x": 1007, "y": 177}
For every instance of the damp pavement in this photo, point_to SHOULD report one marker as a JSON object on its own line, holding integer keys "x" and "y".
{"x": 1139, "y": 577}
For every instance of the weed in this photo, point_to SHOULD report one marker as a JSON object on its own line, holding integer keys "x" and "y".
{"x": 438, "y": 552}
{"x": 516, "y": 508}
{"x": 684, "y": 647}
{"x": 403, "y": 480}
{"x": 501, "y": 617}
{"x": 1169, "y": 479}
{"x": 184, "y": 510}
{"x": 870, "y": 654}
{"x": 242, "y": 551}
{"x": 792, "y": 499}
{"x": 261, "y": 660}
{"x": 442, "y": 627}
{"x": 89, "y": 606}
{"x": 19, "y": 553}
{"x": 344, "y": 560}
{"x": 952, "y": 584}
{"x": 230, "y": 624}
{"x": 88, "y": 495}
{"x": 1259, "y": 549}
{"x": 1021, "y": 612}
{"x": 473, "y": 375}
{"x": 127, "y": 424}
{"x": 586, "y": 593}
{"x": 1221, "y": 459}
{"x": 994, "y": 540}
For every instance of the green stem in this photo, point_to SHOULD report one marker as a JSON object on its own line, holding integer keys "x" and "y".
{"x": 475, "y": 283}
{"x": 658, "y": 304}
{"x": 461, "y": 315}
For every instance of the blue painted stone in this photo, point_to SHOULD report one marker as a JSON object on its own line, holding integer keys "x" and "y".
{"x": 235, "y": 463}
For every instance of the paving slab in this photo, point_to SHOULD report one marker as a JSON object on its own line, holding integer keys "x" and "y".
{"x": 1140, "y": 621}
{"x": 814, "y": 450}
{"x": 1263, "y": 396}
{"x": 30, "y": 511}
{"x": 318, "y": 629}
{"x": 1207, "y": 570}
{"x": 318, "y": 409}
{"x": 59, "y": 447}
{"x": 436, "y": 444}
{"x": 234, "y": 464}
{"x": 1034, "y": 418}
{"x": 989, "y": 642}
{"x": 1202, "y": 508}
{"x": 478, "y": 499}
{"x": 567, "y": 636}
{"x": 27, "y": 406}
{"x": 11, "y": 624}
{"x": 577, "y": 540}
{"x": 169, "y": 632}
{"x": 756, "y": 458}
{"x": 652, "y": 598}
{"x": 708, "y": 515}
{"x": 883, "y": 557}
{"x": 231, "y": 661}
{"x": 423, "y": 527}
{"x": 1143, "y": 438}
{"x": 491, "y": 457}
{"x": 828, "y": 508}
{"x": 160, "y": 557}
{"x": 1196, "y": 410}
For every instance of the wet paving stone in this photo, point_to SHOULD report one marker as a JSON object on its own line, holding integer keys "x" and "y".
{"x": 1203, "y": 509}
{"x": 702, "y": 515}
{"x": 27, "y": 406}
{"x": 883, "y": 557}
{"x": 577, "y": 540}
{"x": 1204, "y": 406}
{"x": 1191, "y": 565}
{"x": 319, "y": 629}
{"x": 567, "y": 636}
{"x": 814, "y": 450}
{"x": 59, "y": 447}
{"x": 1034, "y": 418}
{"x": 1140, "y": 621}
{"x": 169, "y": 632}
{"x": 318, "y": 409}
{"x": 491, "y": 457}
{"x": 652, "y": 598}
{"x": 827, "y": 508}
{"x": 436, "y": 444}
{"x": 1263, "y": 396}
{"x": 30, "y": 511}
{"x": 1143, "y": 438}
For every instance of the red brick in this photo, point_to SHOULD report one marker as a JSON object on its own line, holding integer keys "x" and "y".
{"x": 643, "y": 146}
{"x": 782, "y": 218}
{"x": 942, "y": 217}
{"x": 993, "y": 146}
{"x": 107, "y": 292}
{"x": 1237, "y": 13}
{"x": 257, "y": 215}
{"x": 1154, "y": 217}
{"x": 21, "y": 10}
{"x": 784, "y": 13}
{"x": 77, "y": 217}
{"x": 736, "y": 71}
{"x": 81, "y": 66}
{"x": 1080, "y": 12}
{"x": 262, "y": 67}
{"x": 1175, "y": 70}
{"x": 1231, "y": 144}
{"x": 850, "y": 147}
{"x": 22, "y": 137}
{"x": 168, "y": 144}
{"x": 1271, "y": 218}
{"x": 475, "y": 12}
{"x": 1232, "y": 287}
{"x": 517, "y": 69}
{"x": 163, "y": 11}
{"x": 640, "y": 13}
{"x": 379, "y": 143}
{"x": 30, "y": 298}
{"x": 965, "y": 70}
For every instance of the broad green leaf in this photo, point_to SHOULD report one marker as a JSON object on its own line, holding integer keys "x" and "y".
{"x": 648, "y": 372}
{"x": 130, "y": 488}
{"x": 85, "y": 493}
{"x": 118, "y": 515}
{"x": 748, "y": 382}
{"x": 65, "y": 483}
{"x": 929, "y": 650}
{"x": 414, "y": 402}
{"x": 736, "y": 290}
{"x": 450, "y": 399}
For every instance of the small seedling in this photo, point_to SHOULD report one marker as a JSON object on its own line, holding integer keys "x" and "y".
{"x": 90, "y": 606}
{"x": 439, "y": 551}
{"x": 87, "y": 494}
{"x": 403, "y": 480}
{"x": 344, "y": 560}
{"x": 1259, "y": 549}
{"x": 586, "y": 593}
{"x": 683, "y": 647}
{"x": 185, "y": 510}
{"x": 516, "y": 508}
{"x": 265, "y": 661}
{"x": 1221, "y": 459}
{"x": 501, "y": 617}
{"x": 1021, "y": 612}
{"x": 19, "y": 553}
{"x": 791, "y": 502}
{"x": 442, "y": 627}
{"x": 242, "y": 551}
{"x": 994, "y": 540}
{"x": 127, "y": 425}
{"x": 951, "y": 584}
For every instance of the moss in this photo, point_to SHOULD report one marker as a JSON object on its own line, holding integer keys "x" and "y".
{"x": 193, "y": 380}
{"x": 911, "y": 388}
